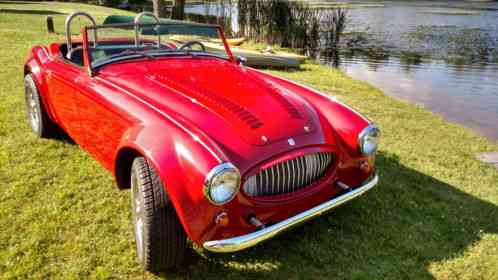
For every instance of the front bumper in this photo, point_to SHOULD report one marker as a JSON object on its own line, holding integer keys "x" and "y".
{"x": 248, "y": 240}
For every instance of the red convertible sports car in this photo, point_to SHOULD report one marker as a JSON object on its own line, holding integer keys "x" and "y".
{"x": 213, "y": 151}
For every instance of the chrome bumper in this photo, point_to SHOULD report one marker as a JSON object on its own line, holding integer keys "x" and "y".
{"x": 245, "y": 241}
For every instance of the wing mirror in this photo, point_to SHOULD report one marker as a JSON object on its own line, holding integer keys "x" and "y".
{"x": 241, "y": 60}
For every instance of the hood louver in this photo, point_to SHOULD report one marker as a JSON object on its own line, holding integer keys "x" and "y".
{"x": 211, "y": 99}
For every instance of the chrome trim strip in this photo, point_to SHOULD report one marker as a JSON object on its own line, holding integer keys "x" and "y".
{"x": 302, "y": 161}
{"x": 267, "y": 180}
{"x": 279, "y": 174}
{"x": 293, "y": 185}
{"x": 317, "y": 166}
{"x": 245, "y": 241}
{"x": 289, "y": 175}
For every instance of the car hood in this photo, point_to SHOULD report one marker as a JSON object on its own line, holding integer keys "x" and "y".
{"x": 211, "y": 91}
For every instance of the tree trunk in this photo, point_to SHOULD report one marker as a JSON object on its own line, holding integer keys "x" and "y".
{"x": 178, "y": 10}
{"x": 159, "y": 8}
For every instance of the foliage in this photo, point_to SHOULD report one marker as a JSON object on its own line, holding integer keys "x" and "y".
{"x": 291, "y": 24}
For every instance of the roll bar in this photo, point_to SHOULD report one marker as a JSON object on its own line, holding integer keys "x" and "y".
{"x": 136, "y": 22}
{"x": 69, "y": 19}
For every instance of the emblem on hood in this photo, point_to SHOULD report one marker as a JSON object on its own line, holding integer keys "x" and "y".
{"x": 291, "y": 141}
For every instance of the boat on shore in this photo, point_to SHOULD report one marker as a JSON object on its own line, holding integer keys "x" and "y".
{"x": 266, "y": 58}
{"x": 253, "y": 58}
{"x": 232, "y": 41}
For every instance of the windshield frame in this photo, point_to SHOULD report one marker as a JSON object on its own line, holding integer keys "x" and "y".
{"x": 87, "y": 59}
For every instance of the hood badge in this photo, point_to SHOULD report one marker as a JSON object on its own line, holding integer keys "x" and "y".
{"x": 291, "y": 141}
{"x": 264, "y": 138}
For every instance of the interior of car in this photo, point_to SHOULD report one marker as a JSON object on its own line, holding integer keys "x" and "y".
{"x": 105, "y": 49}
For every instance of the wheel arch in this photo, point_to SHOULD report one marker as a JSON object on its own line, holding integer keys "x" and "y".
{"x": 27, "y": 70}
{"x": 180, "y": 161}
{"x": 34, "y": 63}
{"x": 123, "y": 164}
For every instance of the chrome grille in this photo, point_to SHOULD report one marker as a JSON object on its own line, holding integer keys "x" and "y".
{"x": 289, "y": 176}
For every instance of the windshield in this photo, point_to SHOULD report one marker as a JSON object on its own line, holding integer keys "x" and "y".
{"x": 118, "y": 42}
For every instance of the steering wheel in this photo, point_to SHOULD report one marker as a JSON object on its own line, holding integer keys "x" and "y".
{"x": 192, "y": 43}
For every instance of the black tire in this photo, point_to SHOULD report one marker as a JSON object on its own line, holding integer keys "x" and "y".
{"x": 40, "y": 122}
{"x": 160, "y": 239}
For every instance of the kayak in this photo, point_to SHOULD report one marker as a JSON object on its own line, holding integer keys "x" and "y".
{"x": 232, "y": 41}
{"x": 254, "y": 58}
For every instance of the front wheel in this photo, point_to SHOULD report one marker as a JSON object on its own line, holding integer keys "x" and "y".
{"x": 37, "y": 116}
{"x": 159, "y": 236}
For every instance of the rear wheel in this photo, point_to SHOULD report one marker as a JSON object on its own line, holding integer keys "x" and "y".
{"x": 37, "y": 116}
{"x": 159, "y": 235}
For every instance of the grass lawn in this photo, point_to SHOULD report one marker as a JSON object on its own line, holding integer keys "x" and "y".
{"x": 433, "y": 216}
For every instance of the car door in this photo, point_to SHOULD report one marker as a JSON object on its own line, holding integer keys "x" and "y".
{"x": 102, "y": 121}
{"x": 63, "y": 95}
{"x": 83, "y": 107}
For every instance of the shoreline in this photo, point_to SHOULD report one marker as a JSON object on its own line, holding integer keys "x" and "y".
{"x": 432, "y": 107}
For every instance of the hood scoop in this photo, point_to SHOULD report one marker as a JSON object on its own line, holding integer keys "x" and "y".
{"x": 212, "y": 100}
{"x": 278, "y": 92}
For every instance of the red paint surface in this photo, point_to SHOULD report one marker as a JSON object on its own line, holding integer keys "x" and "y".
{"x": 188, "y": 114}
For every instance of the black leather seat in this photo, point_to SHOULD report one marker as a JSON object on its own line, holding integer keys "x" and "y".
{"x": 76, "y": 56}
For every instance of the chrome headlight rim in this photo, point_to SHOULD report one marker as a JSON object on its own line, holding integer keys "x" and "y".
{"x": 215, "y": 172}
{"x": 363, "y": 137}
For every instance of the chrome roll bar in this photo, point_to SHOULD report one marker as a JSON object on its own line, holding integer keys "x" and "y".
{"x": 69, "y": 19}
{"x": 136, "y": 22}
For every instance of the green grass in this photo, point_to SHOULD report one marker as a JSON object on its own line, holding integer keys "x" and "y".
{"x": 433, "y": 216}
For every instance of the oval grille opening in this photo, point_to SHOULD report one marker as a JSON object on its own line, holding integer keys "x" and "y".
{"x": 289, "y": 176}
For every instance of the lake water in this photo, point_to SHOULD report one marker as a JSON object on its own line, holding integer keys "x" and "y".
{"x": 440, "y": 55}
{"x": 442, "y": 61}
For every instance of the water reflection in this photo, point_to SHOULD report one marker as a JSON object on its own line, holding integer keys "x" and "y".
{"x": 465, "y": 94}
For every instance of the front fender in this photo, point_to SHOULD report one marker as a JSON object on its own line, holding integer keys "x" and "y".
{"x": 34, "y": 63}
{"x": 345, "y": 121}
{"x": 182, "y": 162}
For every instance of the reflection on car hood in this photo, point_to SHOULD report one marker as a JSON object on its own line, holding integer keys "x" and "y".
{"x": 210, "y": 91}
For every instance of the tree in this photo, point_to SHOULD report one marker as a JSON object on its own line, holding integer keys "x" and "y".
{"x": 178, "y": 11}
{"x": 159, "y": 8}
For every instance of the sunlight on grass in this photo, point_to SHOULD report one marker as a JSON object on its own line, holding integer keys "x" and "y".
{"x": 472, "y": 264}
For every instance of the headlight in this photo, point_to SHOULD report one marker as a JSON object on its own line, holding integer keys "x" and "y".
{"x": 369, "y": 140}
{"x": 222, "y": 183}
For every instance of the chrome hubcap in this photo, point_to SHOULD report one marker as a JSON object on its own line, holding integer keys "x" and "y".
{"x": 32, "y": 108}
{"x": 138, "y": 216}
